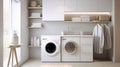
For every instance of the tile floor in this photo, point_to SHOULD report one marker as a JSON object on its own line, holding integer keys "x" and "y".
{"x": 38, "y": 63}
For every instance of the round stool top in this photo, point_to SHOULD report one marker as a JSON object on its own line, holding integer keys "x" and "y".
{"x": 13, "y": 46}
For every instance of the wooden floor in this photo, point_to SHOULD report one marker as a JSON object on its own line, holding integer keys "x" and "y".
{"x": 38, "y": 63}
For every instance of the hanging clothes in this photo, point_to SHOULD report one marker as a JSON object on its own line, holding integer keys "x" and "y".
{"x": 98, "y": 34}
{"x": 102, "y": 38}
{"x": 108, "y": 40}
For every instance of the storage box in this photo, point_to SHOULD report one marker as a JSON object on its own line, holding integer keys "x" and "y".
{"x": 104, "y": 18}
{"x": 35, "y": 14}
{"x": 85, "y": 18}
{"x": 36, "y": 25}
{"x": 76, "y": 19}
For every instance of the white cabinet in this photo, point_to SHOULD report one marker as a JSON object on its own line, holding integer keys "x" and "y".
{"x": 104, "y": 5}
{"x": 84, "y": 5}
{"x": 79, "y": 5}
{"x": 70, "y": 5}
{"x": 53, "y": 10}
{"x": 88, "y": 5}
{"x": 87, "y": 48}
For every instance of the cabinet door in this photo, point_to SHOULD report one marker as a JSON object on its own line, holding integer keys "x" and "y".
{"x": 88, "y": 5}
{"x": 70, "y": 5}
{"x": 94, "y": 5}
{"x": 105, "y": 5}
{"x": 53, "y": 10}
{"x": 81, "y": 5}
{"x": 84, "y": 5}
{"x": 86, "y": 49}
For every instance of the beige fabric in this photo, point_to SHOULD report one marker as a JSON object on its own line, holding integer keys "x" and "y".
{"x": 108, "y": 41}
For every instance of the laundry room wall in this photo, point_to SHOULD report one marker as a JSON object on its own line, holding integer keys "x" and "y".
{"x": 55, "y": 28}
{"x": 1, "y": 33}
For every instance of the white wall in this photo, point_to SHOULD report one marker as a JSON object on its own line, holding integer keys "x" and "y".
{"x": 55, "y": 28}
{"x": 116, "y": 31}
{"x": 24, "y": 32}
{"x": 1, "y": 33}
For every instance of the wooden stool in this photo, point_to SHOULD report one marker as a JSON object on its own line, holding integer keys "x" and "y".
{"x": 12, "y": 52}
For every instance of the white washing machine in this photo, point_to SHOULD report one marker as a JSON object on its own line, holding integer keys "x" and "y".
{"x": 70, "y": 48}
{"x": 50, "y": 48}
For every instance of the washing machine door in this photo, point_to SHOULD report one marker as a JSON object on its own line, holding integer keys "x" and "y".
{"x": 51, "y": 48}
{"x": 71, "y": 47}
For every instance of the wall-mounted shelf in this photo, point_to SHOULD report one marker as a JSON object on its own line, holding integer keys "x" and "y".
{"x": 34, "y": 8}
{"x": 34, "y": 27}
{"x": 35, "y": 17}
{"x": 87, "y": 22}
{"x": 35, "y": 46}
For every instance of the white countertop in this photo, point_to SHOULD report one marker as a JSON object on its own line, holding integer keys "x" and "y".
{"x": 77, "y": 35}
{"x": 70, "y": 35}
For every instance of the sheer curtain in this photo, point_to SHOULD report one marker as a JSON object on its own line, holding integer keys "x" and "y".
{"x": 11, "y": 13}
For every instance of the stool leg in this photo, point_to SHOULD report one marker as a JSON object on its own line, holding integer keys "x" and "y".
{"x": 9, "y": 57}
{"x": 12, "y": 55}
{"x": 16, "y": 57}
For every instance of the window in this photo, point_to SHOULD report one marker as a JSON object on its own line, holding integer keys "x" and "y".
{"x": 12, "y": 21}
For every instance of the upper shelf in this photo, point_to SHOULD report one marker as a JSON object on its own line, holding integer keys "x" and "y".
{"x": 34, "y": 27}
{"x": 88, "y": 22}
{"x": 35, "y": 17}
{"x": 35, "y": 46}
{"x": 35, "y": 8}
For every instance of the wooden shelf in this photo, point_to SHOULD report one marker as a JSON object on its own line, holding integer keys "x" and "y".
{"x": 34, "y": 27}
{"x": 34, "y": 46}
{"x": 35, "y": 17}
{"x": 35, "y": 8}
{"x": 88, "y": 22}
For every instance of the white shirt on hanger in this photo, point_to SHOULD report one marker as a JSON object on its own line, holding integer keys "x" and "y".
{"x": 98, "y": 34}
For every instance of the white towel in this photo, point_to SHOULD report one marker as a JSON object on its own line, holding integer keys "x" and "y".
{"x": 98, "y": 34}
{"x": 108, "y": 41}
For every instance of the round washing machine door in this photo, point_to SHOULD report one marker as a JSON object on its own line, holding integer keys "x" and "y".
{"x": 71, "y": 47}
{"x": 51, "y": 48}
